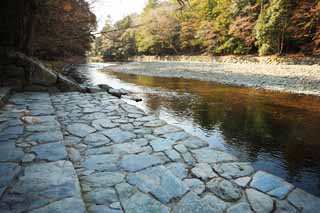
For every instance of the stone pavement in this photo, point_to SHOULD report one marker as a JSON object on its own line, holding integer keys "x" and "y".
{"x": 80, "y": 152}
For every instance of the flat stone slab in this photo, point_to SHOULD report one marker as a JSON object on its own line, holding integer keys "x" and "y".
{"x": 178, "y": 169}
{"x": 194, "y": 142}
{"x": 224, "y": 189}
{"x": 103, "y": 196}
{"x": 68, "y": 205}
{"x": 271, "y": 184}
{"x": 42, "y": 184}
{"x": 46, "y": 137}
{"x": 50, "y": 151}
{"x": 203, "y": 171}
{"x": 80, "y": 129}
{"x": 104, "y": 179}
{"x": 160, "y": 182}
{"x": 108, "y": 162}
{"x": 118, "y": 135}
{"x": 234, "y": 170}
{"x": 260, "y": 202}
{"x": 304, "y": 201}
{"x": 8, "y": 171}
{"x": 160, "y": 144}
{"x": 191, "y": 203}
{"x": 242, "y": 207}
{"x": 9, "y": 152}
{"x": 134, "y": 201}
{"x": 211, "y": 156}
{"x": 166, "y": 129}
{"x": 135, "y": 163}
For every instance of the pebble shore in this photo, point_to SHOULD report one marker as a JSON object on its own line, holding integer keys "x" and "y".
{"x": 304, "y": 79}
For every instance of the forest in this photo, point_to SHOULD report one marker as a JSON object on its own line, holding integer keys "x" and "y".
{"x": 214, "y": 27}
{"x": 48, "y": 30}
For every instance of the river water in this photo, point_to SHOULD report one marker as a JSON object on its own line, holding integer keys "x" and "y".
{"x": 277, "y": 132}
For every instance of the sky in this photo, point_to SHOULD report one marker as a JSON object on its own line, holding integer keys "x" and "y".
{"x": 116, "y": 9}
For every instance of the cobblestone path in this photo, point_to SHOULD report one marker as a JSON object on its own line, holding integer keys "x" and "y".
{"x": 79, "y": 152}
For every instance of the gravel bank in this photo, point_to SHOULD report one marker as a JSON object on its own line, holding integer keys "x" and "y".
{"x": 304, "y": 79}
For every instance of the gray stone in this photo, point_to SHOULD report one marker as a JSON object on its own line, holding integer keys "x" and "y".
{"x": 187, "y": 157}
{"x": 181, "y": 148}
{"x": 178, "y": 169}
{"x": 8, "y": 171}
{"x": 194, "y": 142}
{"x": 104, "y": 196}
{"x": 160, "y": 144}
{"x": 259, "y": 202}
{"x": 105, "y": 179}
{"x": 115, "y": 205}
{"x": 130, "y": 148}
{"x": 203, "y": 171}
{"x": 71, "y": 140}
{"x": 225, "y": 189}
{"x": 134, "y": 163}
{"x": 80, "y": 129}
{"x": 173, "y": 155}
{"x": 134, "y": 201}
{"x": 147, "y": 118}
{"x": 154, "y": 123}
{"x": 233, "y": 170}
{"x": 166, "y": 129}
{"x": 191, "y": 203}
{"x": 99, "y": 150}
{"x": 195, "y": 185}
{"x": 141, "y": 202}
{"x": 28, "y": 158}
{"x": 160, "y": 182}
{"x": 176, "y": 136}
{"x": 243, "y": 181}
{"x": 9, "y": 152}
{"x": 118, "y": 135}
{"x": 50, "y": 151}
{"x": 101, "y": 162}
{"x": 41, "y": 184}
{"x": 102, "y": 209}
{"x": 211, "y": 156}
{"x": 46, "y": 137}
{"x": 96, "y": 139}
{"x": 103, "y": 123}
{"x": 271, "y": 184}
{"x": 283, "y": 206}
{"x": 67, "y": 205}
{"x": 163, "y": 158}
{"x": 304, "y": 201}
{"x": 54, "y": 126}
{"x": 74, "y": 155}
{"x": 93, "y": 116}
{"x": 242, "y": 207}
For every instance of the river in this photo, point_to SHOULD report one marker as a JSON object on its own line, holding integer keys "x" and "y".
{"x": 276, "y": 132}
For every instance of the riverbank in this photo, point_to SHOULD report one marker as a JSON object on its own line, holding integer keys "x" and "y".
{"x": 302, "y": 79}
{"x": 234, "y": 59}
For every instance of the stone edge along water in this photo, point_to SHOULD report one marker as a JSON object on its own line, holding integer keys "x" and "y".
{"x": 78, "y": 152}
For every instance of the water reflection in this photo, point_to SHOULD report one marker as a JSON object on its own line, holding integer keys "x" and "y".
{"x": 277, "y": 132}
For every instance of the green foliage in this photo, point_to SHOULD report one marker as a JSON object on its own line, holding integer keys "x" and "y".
{"x": 270, "y": 27}
{"x": 219, "y": 27}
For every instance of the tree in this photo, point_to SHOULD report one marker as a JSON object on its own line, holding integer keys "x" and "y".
{"x": 66, "y": 30}
{"x": 150, "y": 39}
{"x": 270, "y": 29}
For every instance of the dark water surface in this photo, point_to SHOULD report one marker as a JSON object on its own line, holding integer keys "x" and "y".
{"x": 277, "y": 132}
